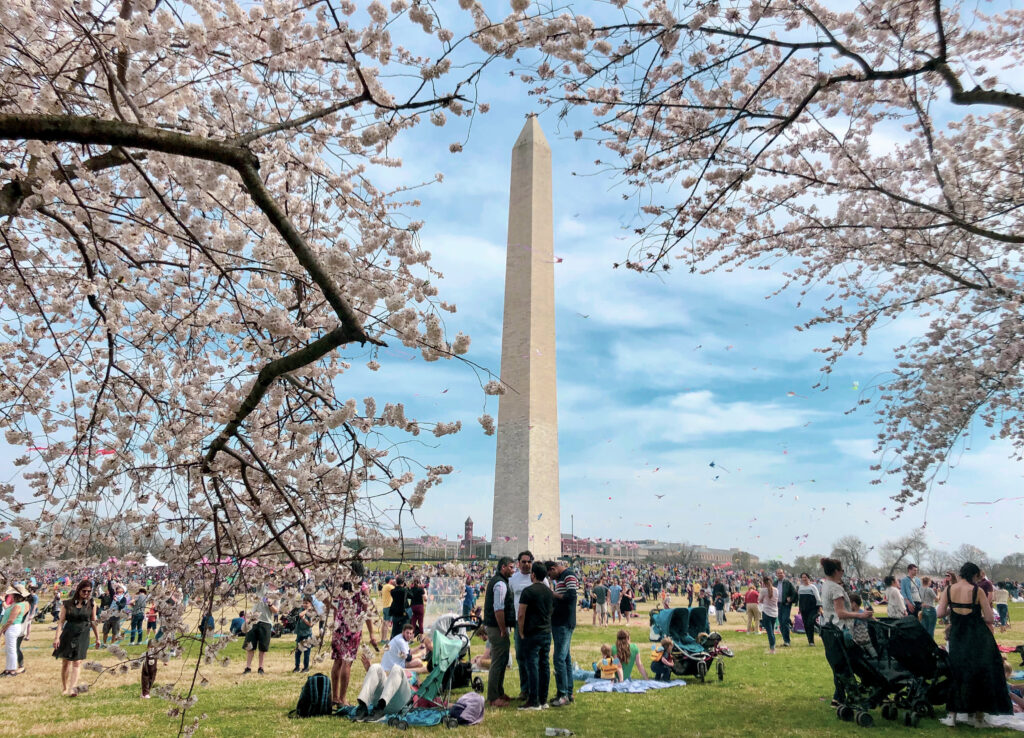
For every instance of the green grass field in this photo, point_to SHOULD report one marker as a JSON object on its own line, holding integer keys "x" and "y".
{"x": 784, "y": 694}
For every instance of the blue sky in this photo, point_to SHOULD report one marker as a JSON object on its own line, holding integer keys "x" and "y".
{"x": 663, "y": 376}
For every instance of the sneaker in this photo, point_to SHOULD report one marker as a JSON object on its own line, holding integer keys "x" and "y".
{"x": 295, "y": 670}
{"x": 306, "y": 669}
{"x": 361, "y": 712}
{"x": 560, "y": 702}
{"x": 260, "y": 671}
{"x": 247, "y": 670}
{"x": 530, "y": 707}
{"x": 545, "y": 706}
{"x": 785, "y": 645}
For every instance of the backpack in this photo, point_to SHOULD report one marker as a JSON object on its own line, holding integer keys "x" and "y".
{"x": 315, "y": 697}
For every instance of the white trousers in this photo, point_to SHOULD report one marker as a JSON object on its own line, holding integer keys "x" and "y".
{"x": 392, "y": 689}
{"x": 12, "y": 634}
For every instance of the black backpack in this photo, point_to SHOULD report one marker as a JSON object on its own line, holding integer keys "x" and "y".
{"x": 315, "y": 697}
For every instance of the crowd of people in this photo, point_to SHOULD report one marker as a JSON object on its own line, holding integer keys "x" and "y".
{"x": 524, "y": 604}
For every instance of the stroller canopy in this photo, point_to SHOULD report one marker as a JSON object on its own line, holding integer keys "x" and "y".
{"x": 446, "y": 652}
{"x": 682, "y": 625}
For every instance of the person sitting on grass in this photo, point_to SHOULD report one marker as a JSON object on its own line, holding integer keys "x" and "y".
{"x": 661, "y": 660}
{"x": 608, "y": 667}
{"x": 399, "y": 653}
{"x": 629, "y": 655}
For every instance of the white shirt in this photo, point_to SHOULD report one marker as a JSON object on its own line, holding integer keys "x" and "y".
{"x": 518, "y": 582}
{"x": 396, "y": 655}
{"x": 895, "y": 606}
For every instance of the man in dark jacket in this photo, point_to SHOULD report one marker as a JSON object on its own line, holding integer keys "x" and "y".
{"x": 399, "y": 607}
{"x": 499, "y": 616}
{"x": 786, "y": 593}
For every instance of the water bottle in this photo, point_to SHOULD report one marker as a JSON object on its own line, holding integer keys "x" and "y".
{"x": 558, "y": 731}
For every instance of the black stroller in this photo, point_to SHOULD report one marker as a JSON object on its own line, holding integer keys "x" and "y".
{"x": 902, "y": 671}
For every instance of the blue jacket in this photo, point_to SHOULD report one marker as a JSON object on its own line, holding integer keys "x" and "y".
{"x": 906, "y": 586}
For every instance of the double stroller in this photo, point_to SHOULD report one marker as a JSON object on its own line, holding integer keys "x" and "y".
{"x": 902, "y": 670}
{"x": 695, "y": 649}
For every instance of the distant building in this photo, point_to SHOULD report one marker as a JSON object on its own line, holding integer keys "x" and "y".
{"x": 473, "y": 547}
{"x": 572, "y": 546}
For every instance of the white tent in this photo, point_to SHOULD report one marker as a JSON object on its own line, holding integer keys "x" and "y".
{"x": 152, "y": 560}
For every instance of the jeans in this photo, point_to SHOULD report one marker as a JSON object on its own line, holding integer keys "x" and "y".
{"x": 397, "y": 623}
{"x": 521, "y": 662}
{"x": 928, "y": 618}
{"x": 136, "y": 628}
{"x": 662, "y": 673}
{"x": 768, "y": 623}
{"x": 538, "y": 667}
{"x": 499, "y": 662}
{"x": 1003, "y": 610}
{"x": 784, "y": 611}
{"x": 561, "y": 636}
{"x": 299, "y": 652}
{"x": 809, "y": 616}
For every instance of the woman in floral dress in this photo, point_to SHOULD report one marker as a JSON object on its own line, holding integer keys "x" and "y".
{"x": 351, "y": 610}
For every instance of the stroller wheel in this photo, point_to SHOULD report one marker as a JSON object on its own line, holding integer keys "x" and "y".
{"x": 922, "y": 708}
{"x": 402, "y": 724}
{"x": 702, "y": 670}
{"x": 721, "y": 671}
{"x": 451, "y": 722}
{"x": 478, "y": 684}
{"x": 864, "y": 719}
{"x": 889, "y": 711}
{"x": 392, "y": 722}
{"x": 845, "y": 712}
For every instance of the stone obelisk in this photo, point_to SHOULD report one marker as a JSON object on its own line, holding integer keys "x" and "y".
{"x": 526, "y": 514}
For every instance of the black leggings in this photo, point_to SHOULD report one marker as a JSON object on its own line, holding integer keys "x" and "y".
{"x": 809, "y": 616}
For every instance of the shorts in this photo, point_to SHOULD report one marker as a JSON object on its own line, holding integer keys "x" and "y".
{"x": 259, "y": 637}
{"x": 150, "y": 625}
{"x": 385, "y": 614}
{"x": 112, "y": 626}
{"x": 601, "y": 608}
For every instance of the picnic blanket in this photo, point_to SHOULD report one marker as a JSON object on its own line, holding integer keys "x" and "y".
{"x": 417, "y": 717}
{"x": 630, "y": 686}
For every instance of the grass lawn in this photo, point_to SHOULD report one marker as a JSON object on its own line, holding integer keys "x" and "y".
{"x": 784, "y": 694}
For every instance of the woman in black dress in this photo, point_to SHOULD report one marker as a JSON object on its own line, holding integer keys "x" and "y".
{"x": 977, "y": 679}
{"x": 72, "y": 639}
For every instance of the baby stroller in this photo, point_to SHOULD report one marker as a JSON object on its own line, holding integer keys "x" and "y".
{"x": 694, "y": 648}
{"x": 450, "y": 669}
{"x": 902, "y": 671}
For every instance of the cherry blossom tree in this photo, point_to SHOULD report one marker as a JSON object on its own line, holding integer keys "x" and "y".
{"x": 193, "y": 250}
{"x": 871, "y": 152}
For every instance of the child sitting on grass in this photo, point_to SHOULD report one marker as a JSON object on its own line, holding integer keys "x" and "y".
{"x": 661, "y": 660}
{"x": 608, "y": 667}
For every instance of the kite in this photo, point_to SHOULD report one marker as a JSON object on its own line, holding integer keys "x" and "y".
{"x": 539, "y": 515}
{"x": 713, "y": 465}
{"x": 794, "y": 394}
{"x": 582, "y": 315}
{"x": 659, "y": 496}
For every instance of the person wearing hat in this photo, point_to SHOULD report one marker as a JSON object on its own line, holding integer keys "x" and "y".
{"x": 12, "y": 626}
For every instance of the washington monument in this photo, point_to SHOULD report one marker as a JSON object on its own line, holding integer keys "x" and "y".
{"x": 526, "y": 514}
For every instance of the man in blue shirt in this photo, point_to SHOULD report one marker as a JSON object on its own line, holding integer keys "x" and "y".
{"x": 910, "y": 588}
{"x": 236, "y": 625}
{"x": 614, "y": 598}
{"x": 469, "y": 598}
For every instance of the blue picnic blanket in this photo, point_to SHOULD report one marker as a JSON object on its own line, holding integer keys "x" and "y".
{"x": 630, "y": 686}
{"x": 417, "y": 717}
